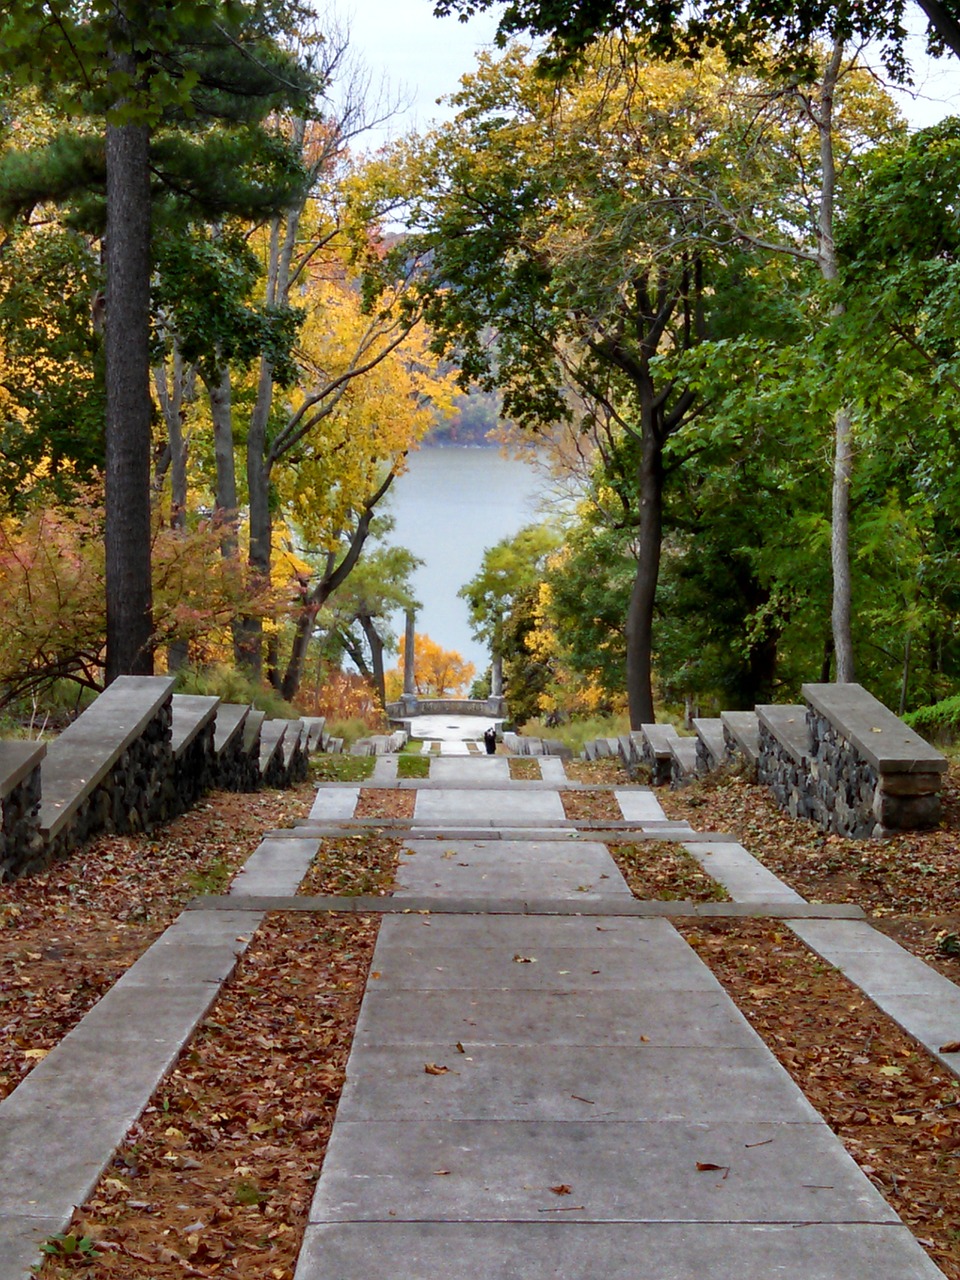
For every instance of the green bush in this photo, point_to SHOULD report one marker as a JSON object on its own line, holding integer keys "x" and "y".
{"x": 350, "y": 731}
{"x": 940, "y": 722}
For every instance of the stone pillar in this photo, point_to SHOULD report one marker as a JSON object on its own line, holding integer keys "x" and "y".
{"x": 409, "y": 699}
{"x": 496, "y": 677}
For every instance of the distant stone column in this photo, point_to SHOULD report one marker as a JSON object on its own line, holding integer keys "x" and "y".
{"x": 409, "y": 665}
{"x": 496, "y": 677}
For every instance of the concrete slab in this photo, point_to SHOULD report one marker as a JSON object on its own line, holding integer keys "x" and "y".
{"x": 743, "y": 877}
{"x": 553, "y": 1250}
{"x": 922, "y": 1001}
{"x": 503, "y": 1171}
{"x": 605, "y": 1018}
{"x": 640, "y": 806}
{"x": 425, "y": 935}
{"x": 452, "y": 771}
{"x": 21, "y": 1236}
{"x": 497, "y": 808}
{"x": 508, "y": 868}
{"x": 384, "y": 771}
{"x": 552, "y": 770}
{"x": 542, "y": 968}
{"x": 275, "y": 867}
{"x": 335, "y": 804}
{"x": 562, "y": 1082}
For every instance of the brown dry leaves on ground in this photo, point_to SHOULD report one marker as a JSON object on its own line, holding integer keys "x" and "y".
{"x": 591, "y": 806}
{"x": 67, "y": 935}
{"x": 353, "y": 865}
{"x": 910, "y": 882}
{"x": 601, "y": 773}
{"x": 217, "y": 1176}
{"x": 896, "y": 1110}
{"x": 664, "y": 871}
{"x": 385, "y": 802}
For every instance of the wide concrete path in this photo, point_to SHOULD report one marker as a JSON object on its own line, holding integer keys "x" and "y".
{"x": 570, "y": 1096}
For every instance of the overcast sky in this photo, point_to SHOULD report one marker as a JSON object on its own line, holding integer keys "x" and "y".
{"x": 426, "y": 56}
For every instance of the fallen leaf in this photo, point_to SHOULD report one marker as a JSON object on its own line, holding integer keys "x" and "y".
{"x": 460, "y": 1048}
{"x": 706, "y": 1166}
{"x": 891, "y": 1071}
{"x": 519, "y": 959}
{"x": 562, "y": 1189}
{"x": 952, "y": 1046}
{"x": 433, "y": 1069}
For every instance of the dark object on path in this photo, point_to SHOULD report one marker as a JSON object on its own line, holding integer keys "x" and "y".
{"x": 490, "y": 741}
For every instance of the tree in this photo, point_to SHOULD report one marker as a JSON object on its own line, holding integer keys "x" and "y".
{"x": 135, "y": 68}
{"x": 574, "y": 220}
{"x": 377, "y": 588}
{"x": 439, "y": 672}
{"x": 741, "y": 28}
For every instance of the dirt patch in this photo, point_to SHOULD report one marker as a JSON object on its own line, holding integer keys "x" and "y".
{"x": 591, "y": 806}
{"x": 896, "y": 1110}
{"x": 385, "y": 802}
{"x": 664, "y": 871}
{"x": 217, "y": 1176}
{"x": 69, "y": 933}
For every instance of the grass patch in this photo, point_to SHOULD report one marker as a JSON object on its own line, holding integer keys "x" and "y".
{"x": 342, "y": 768}
{"x": 413, "y": 767}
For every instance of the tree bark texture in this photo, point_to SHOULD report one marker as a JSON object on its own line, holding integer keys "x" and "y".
{"x": 128, "y": 536}
{"x": 639, "y": 629}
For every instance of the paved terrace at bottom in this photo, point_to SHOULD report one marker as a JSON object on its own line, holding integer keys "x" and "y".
{"x": 571, "y": 1097}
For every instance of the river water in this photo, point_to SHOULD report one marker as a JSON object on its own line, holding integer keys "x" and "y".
{"x": 449, "y": 506}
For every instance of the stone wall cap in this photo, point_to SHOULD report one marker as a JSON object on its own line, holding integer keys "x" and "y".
{"x": 82, "y": 756}
{"x": 18, "y": 759}
{"x": 788, "y": 724}
{"x": 745, "y": 730}
{"x": 231, "y": 720}
{"x": 684, "y": 751}
{"x": 192, "y": 712}
{"x": 659, "y": 737}
{"x": 879, "y": 735}
{"x": 711, "y": 731}
{"x": 252, "y": 727}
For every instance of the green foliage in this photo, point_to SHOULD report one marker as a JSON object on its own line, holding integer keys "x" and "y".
{"x": 940, "y": 722}
{"x": 576, "y": 733}
{"x": 232, "y": 685}
{"x": 411, "y": 766}
{"x": 69, "y": 1245}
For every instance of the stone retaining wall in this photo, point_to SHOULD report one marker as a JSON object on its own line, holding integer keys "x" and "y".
{"x": 869, "y": 775}
{"x": 21, "y": 844}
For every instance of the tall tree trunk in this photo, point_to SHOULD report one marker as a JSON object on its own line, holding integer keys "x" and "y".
{"x": 375, "y": 641}
{"x": 172, "y": 394}
{"x": 639, "y": 630}
{"x": 840, "y": 548}
{"x": 220, "y": 394}
{"x": 842, "y": 609}
{"x": 128, "y": 587}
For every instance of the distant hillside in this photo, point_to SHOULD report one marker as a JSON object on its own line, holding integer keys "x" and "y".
{"x": 477, "y": 416}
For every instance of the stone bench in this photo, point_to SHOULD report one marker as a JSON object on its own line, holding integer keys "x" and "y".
{"x": 683, "y": 760}
{"x": 110, "y": 770}
{"x": 741, "y": 736}
{"x": 657, "y": 753}
{"x": 784, "y": 760}
{"x": 21, "y": 843}
{"x": 870, "y": 773}
{"x": 193, "y": 742}
{"x": 711, "y": 748}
